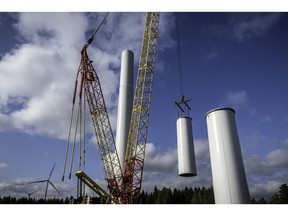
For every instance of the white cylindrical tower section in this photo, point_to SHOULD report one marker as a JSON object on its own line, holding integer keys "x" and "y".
{"x": 185, "y": 144}
{"x": 125, "y": 103}
{"x": 228, "y": 174}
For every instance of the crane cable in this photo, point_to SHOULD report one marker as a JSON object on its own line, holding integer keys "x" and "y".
{"x": 80, "y": 108}
{"x": 179, "y": 57}
{"x": 70, "y": 126}
{"x": 108, "y": 41}
{"x": 92, "y": 38}
{"x": 182, "y": 97}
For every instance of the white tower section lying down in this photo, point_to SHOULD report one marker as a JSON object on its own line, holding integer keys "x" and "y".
{"x": 228, "y": 174}
{"x": 185, "y": 144}
{"x": 125, "y": 103}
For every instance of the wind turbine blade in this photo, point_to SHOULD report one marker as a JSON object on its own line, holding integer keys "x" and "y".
{"x": 54, "y": 187}
{"x": 51, "y": 171}
{"x": 37, "y": 181}
{"x": 33, "y": 192}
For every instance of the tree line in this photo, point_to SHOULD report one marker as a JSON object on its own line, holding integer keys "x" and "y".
{"x": 197, "y": 195}
{"x": 203, "y": 196}
{"x": 184, "y": 196}
{"x": 278, "y": 198}
{"x": 25, "y": 200}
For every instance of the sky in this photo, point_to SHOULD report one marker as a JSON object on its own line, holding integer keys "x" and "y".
{"x": 236, "y": 60}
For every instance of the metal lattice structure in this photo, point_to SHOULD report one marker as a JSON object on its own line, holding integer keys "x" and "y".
{"x": 105, "y": 139}
{"x": 135, "y": 153}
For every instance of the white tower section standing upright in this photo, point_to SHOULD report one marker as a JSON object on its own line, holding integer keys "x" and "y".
{"x": 185, "y": 146}
{"x": 228, "y": 174}
{"x": 125, "y": 103}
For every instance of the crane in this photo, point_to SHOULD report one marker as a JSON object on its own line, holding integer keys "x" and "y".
{"x": 124, "y": 185}
{"x": 136, "y": 146}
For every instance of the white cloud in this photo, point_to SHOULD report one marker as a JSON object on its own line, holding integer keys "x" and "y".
{"x": 212, "y": 54}
{"x": 40, "y": 72}
{"x": 65, "y": 30}
{"x": 274, "y": 161}
{"x": 254, "y": 164}
{"x": 244, "y": 26}
{"x": 254, "y": 139}
{"x": 251, "y": 25}
{"x": 3, "y": 165}
{"x": 285, "y": 142}
{"x": 266, "y": 173}
{"x": 265, "y": 118}
{"x": 277, "y": 158}
{"x": 237, "y": 99}
{"x": 161, "y": 169}
{"x": 6, "y": 124}
{"x": 165, "y": 162}
{"x": 265, "y": 189}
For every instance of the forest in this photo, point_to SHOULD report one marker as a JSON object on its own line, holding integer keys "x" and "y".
{"x": 197, "y": 195}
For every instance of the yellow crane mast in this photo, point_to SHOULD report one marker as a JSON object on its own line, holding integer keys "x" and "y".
{"x": 135, "y": 152}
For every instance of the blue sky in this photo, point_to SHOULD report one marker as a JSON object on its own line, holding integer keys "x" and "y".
{"x": 228, "y": 59}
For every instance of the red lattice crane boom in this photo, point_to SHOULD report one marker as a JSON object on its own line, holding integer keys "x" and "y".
{"x": 100, "y": 119}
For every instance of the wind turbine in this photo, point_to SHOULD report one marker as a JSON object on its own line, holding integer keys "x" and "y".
{"x": 29, "y": 194}
{"x": 47, "y": 183}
